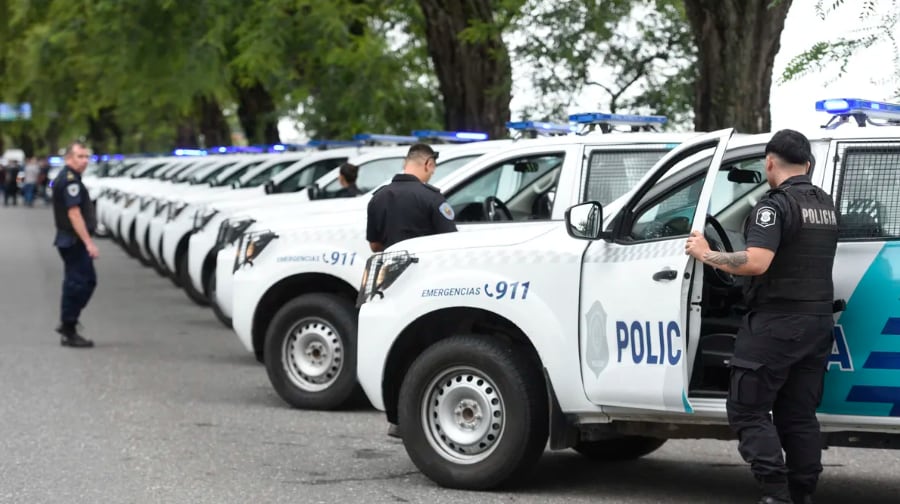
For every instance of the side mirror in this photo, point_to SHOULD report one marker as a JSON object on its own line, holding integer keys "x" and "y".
{"x": 269, "y": 187}
{"x": 313, "y": 192}
{"x": 585, "y": 221}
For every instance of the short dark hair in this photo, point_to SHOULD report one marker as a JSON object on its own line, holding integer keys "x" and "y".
{"x": 421, "y": 152}
{"x": 349, "y": 171}
{"x": 791, "y": 146}
{"x": 71, "y": 147}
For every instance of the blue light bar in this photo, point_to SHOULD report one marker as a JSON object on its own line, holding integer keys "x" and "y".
{"x": 871, "y": 109}
{"x": 374, "y": 137}
{"x": 56, "y": 160}
{"x": 189, "y": 152}
{"x": 453, "y": 136}
{"x": 541, "y": 127}
{"x": 278, "y": 148}
{"x": 333, "y": 143}
{"x": 617, "y": 119}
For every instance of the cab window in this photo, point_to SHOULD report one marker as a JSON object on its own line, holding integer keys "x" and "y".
{"x": 370, "y": 176}
{"x": 261, "y": 177}
{"x": 868, "y": 199}
{"x": 525, "y": 187}
{"x": 231, "y": 178}
{"x": 308, "y": 174}
{"x": 447, "y": 167}
{"x": 612, "y": 173}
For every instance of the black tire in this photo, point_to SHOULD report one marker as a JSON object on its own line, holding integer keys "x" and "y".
{"x": 518, "y": 398}
{"x": 619, "y": 449}
{"x": 326, "y": 324}
{"x": 186, "y": 283}
{"x": 210, "y": 282}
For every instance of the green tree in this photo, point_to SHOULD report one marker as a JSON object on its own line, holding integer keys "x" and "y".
{"x": 737, "y": 41}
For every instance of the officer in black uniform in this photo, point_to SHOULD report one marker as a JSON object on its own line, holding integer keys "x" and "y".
{"x": 409, "y": 207}
{"x": 347, "y": 173}
{"x": 781, "y": 351}
{"x": 73, "y": 213}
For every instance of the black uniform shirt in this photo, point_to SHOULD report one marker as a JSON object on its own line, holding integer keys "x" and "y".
{"x": 348, "y": 192}
{"x": 770, "y": 216}
{"x": 68, "y": 192}
{"x": 407, "y": 208}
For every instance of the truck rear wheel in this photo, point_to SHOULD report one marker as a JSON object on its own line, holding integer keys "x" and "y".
{"x": 473, "y": 413}
{"x": 310, "y": 352}
{"x": 621, "y": 448}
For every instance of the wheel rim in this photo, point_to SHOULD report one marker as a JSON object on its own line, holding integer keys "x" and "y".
{"x": 313, "y": 354}
{"x": 463, "y": 415}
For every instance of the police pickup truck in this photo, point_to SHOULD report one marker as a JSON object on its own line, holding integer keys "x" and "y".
{"x": 295, "y": 289}
{"x": 600, "y": 334}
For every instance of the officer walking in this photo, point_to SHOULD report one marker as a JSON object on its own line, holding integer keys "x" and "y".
{"x": 409, "y": 207}
{"x": 347, "y": 173}
{"x": 781, "y": 350}
{"x": 73, "y": 213}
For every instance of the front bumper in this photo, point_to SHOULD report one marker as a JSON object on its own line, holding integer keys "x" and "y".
{"x": 200, "y": 245}
{"x": 225, "y": 280}
{"x": 379, "y": 326}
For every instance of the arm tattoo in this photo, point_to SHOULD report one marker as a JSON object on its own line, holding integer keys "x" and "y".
{"x": 733, "y": 259}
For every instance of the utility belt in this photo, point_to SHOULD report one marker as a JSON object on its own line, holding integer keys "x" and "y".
{"x": 803, "y": 307}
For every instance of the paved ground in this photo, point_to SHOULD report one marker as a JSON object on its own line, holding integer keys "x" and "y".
{"x": 169, "y": 408}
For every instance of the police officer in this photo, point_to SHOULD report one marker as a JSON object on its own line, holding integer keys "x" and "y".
{"x": 347, "y": 173}
{"x": 409, "y": 207}
{"x": 781, "y": 351}
{"x": 73, "y": 213}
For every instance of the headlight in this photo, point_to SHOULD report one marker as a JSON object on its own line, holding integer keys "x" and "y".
{"x": 202, "y": 218}
{"x": 231, "y": 230}
{"x": 175, "y": 209}
{"x": 250, "y": 246}
{"x": 382, "y": 269}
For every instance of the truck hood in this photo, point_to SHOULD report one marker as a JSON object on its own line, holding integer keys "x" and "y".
{"x": 469, "y": 236}
{"x": 296, "y": 212}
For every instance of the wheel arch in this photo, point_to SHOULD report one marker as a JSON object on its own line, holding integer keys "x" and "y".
{"x": 438, "y": 325}
{"x": 289, "y": 288}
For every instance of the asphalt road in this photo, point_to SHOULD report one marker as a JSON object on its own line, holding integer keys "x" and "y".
{"x": 169, "y": 408}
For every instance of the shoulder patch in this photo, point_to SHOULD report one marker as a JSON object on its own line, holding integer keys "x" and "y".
{"x": 447, "y": 211}
{"x": 766, "y": 216}
{"x": 73, "y": 190}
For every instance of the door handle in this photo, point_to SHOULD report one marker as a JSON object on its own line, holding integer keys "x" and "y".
{"x": 666, "y": 274}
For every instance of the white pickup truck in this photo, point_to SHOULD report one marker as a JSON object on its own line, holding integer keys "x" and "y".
{"x": 600, "y": 334}
{"x": 295, "y": 289}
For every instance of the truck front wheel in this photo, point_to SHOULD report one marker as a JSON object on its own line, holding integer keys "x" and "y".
{"x": 473, "y": 413}
{"x": 310, "y": 352}
{"x": 621, "y": 448}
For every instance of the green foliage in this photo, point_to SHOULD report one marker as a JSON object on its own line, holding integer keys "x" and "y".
{"x": 880, "y": 21}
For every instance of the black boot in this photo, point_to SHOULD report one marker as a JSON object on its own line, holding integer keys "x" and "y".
{"x": 71, "y": 338}
{"x": 800, "y": 495}
{"x": 775, "y": 491}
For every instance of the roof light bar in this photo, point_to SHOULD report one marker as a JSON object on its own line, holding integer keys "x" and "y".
{"x": 373, "y": 138}
{"x": 451, "y": 136}
{"x": 189, "y": 152}
{"x": 842, "y": 109}
{"x": 538, "y": 127}
{"x": 324, "y": 144}
{"x": 617, "y": 119}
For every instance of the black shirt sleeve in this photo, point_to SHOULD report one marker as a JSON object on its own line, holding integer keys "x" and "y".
{"x": 442, "y": 216}
{"x": 375, "y": 221}
{"x": 766, "y": 223}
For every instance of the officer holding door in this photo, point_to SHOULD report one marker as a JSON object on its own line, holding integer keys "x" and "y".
{"x": 781, "y": 350}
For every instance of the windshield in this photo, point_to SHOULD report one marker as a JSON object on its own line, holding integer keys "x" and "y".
{"x": 267, "y": 173}
{"x": 199, "y": 178}
{"x": 450, "y": 166}
{"x": 236, "y": 176}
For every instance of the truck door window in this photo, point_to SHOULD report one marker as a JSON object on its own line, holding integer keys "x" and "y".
{"x": 261, "y": 177}
{"x": 526, "y": 185}
{"x": 308, "y": 174}
{"x": 612, "y": 173}
{"x": 868, "y": 198}
{"x": 668, "y": 216}
{"x": 370, "y": 176}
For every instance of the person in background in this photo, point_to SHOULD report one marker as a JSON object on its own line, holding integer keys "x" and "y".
{"x": 12, "y": 189}
{"x": 30, "y": 182}
{"x": 44, "y": 180}
{"x": 347, "y": 178}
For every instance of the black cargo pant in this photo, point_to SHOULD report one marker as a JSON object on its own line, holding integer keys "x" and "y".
{"x": 779, "y": 367}
{"x": 79, "y": 281}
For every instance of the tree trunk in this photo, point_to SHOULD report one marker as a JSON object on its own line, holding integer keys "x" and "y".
{"x": 98, "y": 126}
{"x": 737, "y": 41}
{"x": 256, "y": 111}
{"x": 475, "y": 78}
{"x": 212, "y": 123}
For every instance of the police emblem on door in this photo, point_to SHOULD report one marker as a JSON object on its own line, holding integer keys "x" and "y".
{"x": 597, "y": 353}
{"x": 765, "y": 217}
